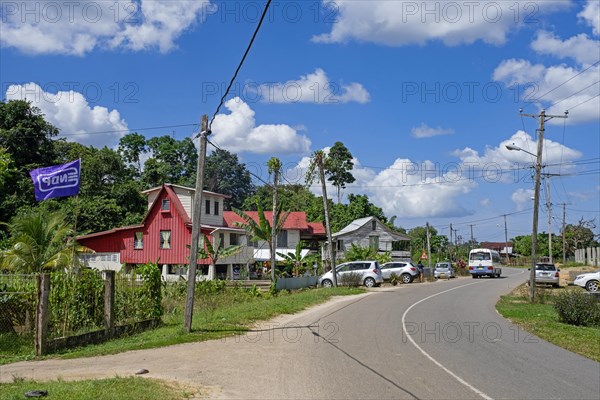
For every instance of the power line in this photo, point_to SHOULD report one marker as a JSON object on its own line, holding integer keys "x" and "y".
{"x": 583, "y": 102}
{"x": 240, "y": 64}
{"x": 565, "y": 82}
{"x": 576, "y": 93}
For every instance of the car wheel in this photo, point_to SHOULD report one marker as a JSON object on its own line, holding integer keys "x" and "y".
{"x": 474, "y": 276}
{"x": 327, "y": 283}
{"x": 556, "y": 285}
{"x": 369, "y": 282}
{"x": 592, "y": 286}
{"x": 406, "y": 278}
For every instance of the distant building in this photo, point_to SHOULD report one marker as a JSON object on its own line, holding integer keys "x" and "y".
{"x": 500, "y": 247}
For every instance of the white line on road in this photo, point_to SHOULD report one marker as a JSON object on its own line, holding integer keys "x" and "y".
{"x": 458, "y": 378}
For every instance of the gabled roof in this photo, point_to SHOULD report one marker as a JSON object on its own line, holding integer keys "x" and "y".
{"x": 294, "y": 219}
{"x": 174, "y": 200}
{"x": 154, "y": 189}
{"x": 316, "y": 228}
{"x": 359, "y": 223}
{"x": 123, "y": 228}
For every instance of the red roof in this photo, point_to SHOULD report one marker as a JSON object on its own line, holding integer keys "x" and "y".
{"x": 316, "y": 228}
{"x": 294, "y": 219}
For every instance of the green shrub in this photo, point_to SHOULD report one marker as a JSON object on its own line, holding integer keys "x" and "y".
{"x": 351, "y": 279}
{"x": 576, "y": 307}
{"x": 394, "y": 278}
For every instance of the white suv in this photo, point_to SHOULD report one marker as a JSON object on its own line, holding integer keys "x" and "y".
{"x": 368, "y": 270}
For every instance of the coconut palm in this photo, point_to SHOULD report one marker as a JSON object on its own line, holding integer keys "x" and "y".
{"x": 40, "y": 242}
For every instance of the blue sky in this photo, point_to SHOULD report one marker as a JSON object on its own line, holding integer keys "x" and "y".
{"x": 424, "y": 94}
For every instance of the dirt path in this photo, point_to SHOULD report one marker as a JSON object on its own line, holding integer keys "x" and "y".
{"x": 224, "y": 368}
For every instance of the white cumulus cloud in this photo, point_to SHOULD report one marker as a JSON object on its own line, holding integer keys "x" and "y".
{"x": 238, "y": 132}
{"x": 522, "y": 198}
{"x": 77, "y": 28}
{"x": 580, "y": 47}
{"x": 313, "y": 88}
{"x": 425, "y": 131}
{"x": 70, "y": 112}
{"x": 399, "y": 23}
{"x": 551, "y": 87}
{"x": 591, "y": 15}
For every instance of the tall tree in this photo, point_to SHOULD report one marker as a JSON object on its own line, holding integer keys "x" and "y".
{"x": 316, "y": 169}
{"x": 579, "y": 236}
{"x": 173, "y": 161}
{"x": 338, "y": 166}
{"x": 358, "y": 206}
{"x": 27, "y": 139}
{"x": 225, "y": 174}
{"x": 131, "y": 148}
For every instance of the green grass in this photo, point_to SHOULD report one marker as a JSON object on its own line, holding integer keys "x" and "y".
{"x": 227, "y": 313}
{"x": 104, "y": 389}
{"x": 541, "y": 319}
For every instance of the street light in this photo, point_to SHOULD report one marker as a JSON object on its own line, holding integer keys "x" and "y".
{"x": 536, "y": 198}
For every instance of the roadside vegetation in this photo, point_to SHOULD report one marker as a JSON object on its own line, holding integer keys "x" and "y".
{"x": 219, "y": 311}
{"x": 549, "y": 315}
{"x": 132, "y": 388}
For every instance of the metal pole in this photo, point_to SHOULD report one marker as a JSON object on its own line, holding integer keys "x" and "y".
{"x": 548, "y": 204}
{"x": 536, "y": 200}
{"x": 564, "y": 241}
{"x": 196, "y": 213}
{"x": 506, "y": 240}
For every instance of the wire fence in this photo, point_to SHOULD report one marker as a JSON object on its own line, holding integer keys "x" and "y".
{"x": 17, "y": 304}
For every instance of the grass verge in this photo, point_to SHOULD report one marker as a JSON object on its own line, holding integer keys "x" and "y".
{"x": 229, "y": 312}
{"x": 541, "y": 319}
{"x": 134, "y": 388}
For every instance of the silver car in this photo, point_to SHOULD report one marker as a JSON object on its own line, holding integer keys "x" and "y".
{"x": 445, "y": 268}
{"x": 406, "y": 271}
{"x": 547, "y": 273}
{"x": 589, "y": 281}
{"x": 369, "y": 271}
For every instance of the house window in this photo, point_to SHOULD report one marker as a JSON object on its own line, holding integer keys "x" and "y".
{"x": 373, "y": 225}
{"x": 221, "y": 240}
{"x": 374, "y": 242}
{"x": 165, "y": 239}
{"x": 207, "y": 207}
{"x": 138, "y": 240}
{"x": 166, "y": 205}
{"x": 340, "y": 245}
{"x": 282, "y": 239}
{"x": 234, "y": 239}
{"x": 216, "y": 210}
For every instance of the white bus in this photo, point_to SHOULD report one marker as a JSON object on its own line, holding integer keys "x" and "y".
{"x": 484, "y": 262}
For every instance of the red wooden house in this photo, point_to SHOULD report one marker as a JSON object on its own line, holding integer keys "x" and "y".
{"x": 165, "y": 233}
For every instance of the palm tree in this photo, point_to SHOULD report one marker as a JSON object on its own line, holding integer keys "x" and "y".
{"x": 214, "y": 252}
{"x": 295, "y": 259}
{"x": 40, "y": 242}
{"x": 317, "y": 165}
{"x": 262, "y": 229}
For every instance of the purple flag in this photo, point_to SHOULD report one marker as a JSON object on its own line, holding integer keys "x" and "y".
{"x": 56, "y": 181}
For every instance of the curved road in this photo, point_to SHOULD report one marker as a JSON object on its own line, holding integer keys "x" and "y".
{"x": 441, "y": 340}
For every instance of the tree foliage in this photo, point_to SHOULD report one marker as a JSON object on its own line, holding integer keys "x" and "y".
{"x": 338, "y": 165}
{"x": 223, "y": 173}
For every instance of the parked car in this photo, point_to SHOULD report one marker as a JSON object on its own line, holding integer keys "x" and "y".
{"x": 445, "y": 268}
{"x": 369, "y": 270}
{"x": 406, "y": 271}
{"x": 589, "y": 281}
{"x": 547, "y": 273}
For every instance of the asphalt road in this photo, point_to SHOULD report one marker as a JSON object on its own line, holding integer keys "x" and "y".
{"x": 441, "y": 340}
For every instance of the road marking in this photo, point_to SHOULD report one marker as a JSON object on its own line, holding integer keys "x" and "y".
{"x": 436, "y": 362}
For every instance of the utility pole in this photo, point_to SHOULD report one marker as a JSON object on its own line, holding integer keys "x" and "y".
{"x": 450, "y": 243}
{"x": 196, "y": 213}
{"x": 536, "y": 197}
{"x": 472, "y": 239}
{"x": 275, "y": 167}
{"x": 505, "y": 239}
{"x": 564, "y": 239}
{"x": 548, "y": 204}
{"x": 429, "y": 252}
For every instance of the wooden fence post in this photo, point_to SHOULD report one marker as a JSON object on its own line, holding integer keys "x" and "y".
{"x": 109, "y": 301}
{"x": 42, "y": 314}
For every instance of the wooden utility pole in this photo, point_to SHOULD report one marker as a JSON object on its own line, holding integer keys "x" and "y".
{"x": 505, "y": 239}
{"x": 196, "y": 213}
{"x": 450, "y": 243}
{"x": 564, "y": 239}
{"x": 429, "y": 253}
{"x": 275, "y": 167}
{"x": 321, "y": 165}
{"x": 472, "y": 238}
{"x": 548, "y": 204}
{"x": 536, "y": 196}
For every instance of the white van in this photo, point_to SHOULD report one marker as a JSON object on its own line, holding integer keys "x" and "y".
{"x": 485, "y": 262}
